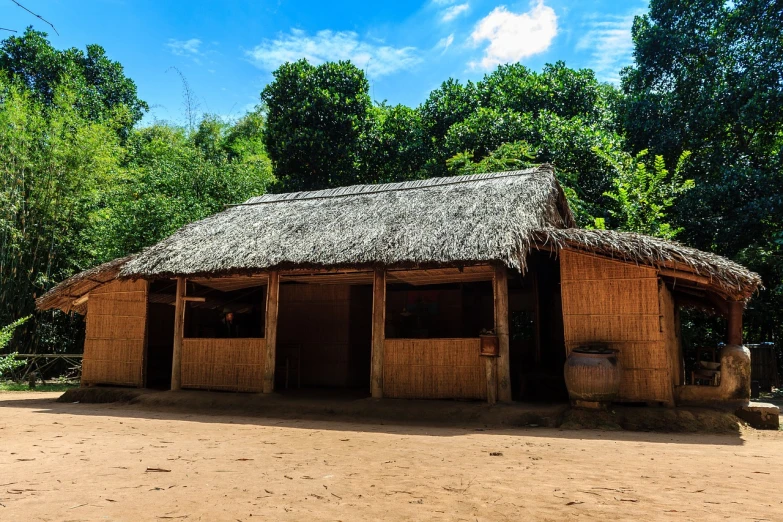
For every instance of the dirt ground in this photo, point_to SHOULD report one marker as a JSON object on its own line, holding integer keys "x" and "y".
{"x": 122, "y": 462}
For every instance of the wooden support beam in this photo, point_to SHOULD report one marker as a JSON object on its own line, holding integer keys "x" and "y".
{"x": 378, "y": 332}
{"x": 734, "y": 334}
{"x": 179, "y": 333}
{"x": 500, "y": 287}
{"x": 270, "y": 333}
{"x": 491, "y": 367}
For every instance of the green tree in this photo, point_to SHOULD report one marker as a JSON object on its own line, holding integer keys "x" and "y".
{"x": 707, "y": 78}
{"x": 394, "y": 146}
{"x": 316, "y": 116}
{"x": 557, "y": 89}
{"x": 171, "y": 178}
{"x": 99, "y": 84}
{"x": 55, "y": 164}
{"x": 644, "y": 191}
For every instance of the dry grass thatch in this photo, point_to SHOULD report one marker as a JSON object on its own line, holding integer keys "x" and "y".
{"x": 486, "y": 217}
{"x": 731, "y": 278}
{"x": 495, "y": 217}
{"x": 63, "y": 295}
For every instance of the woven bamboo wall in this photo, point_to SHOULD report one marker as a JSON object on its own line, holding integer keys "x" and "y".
{"x": 116, "y": 329}
{"x": 618, "y": 303}
{"x": 223, "y": 364}
{"x": 433, "y": 369}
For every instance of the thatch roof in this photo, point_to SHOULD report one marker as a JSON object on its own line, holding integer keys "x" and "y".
{"x": 727, "y": 277}
{"x": 463, "y": 219}
{"x": 496, "y": 217}
{"x": 64, "y": 294}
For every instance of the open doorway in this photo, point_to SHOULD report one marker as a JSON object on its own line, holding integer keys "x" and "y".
{"x": 324, "y": 337}
{"x": 536, "y": 339}
{"x": 160, "y": 334}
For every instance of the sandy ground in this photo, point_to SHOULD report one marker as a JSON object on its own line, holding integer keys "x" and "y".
{"x": 105, "y": 462}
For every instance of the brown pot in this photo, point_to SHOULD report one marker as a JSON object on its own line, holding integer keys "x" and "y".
{"x": 592, "y": 374}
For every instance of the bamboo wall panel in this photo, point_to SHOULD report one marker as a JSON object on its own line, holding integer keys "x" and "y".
{"x": 618, "y": 304}
{"x": 115, "y": 338}
{"x": 575, "y": 266}
{"x": 592, "y": 295}
{"x": 433, "y": 369}
{"x": 223, "y": 364}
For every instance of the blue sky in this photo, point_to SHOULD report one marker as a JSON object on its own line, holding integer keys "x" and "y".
{"x": 227, "y": 49}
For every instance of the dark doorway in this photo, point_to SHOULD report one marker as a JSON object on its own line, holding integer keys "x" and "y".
{"x": 324, "y": 337}
{"x": 160, "y": 334}
{"x": 537, "y": 342}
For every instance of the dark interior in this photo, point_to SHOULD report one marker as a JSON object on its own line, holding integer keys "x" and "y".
{"x": 457, "y": 310}
{"x": 536, "y": 337}
{"x": 324, "y": 337}
{"x": 225, "y": 314}
{"x": 160, "y": 334}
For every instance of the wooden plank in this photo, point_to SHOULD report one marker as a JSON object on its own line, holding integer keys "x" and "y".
{"x": 378, "y": 332}
{"x": 441, "y": 275}
{"x": 501, "y": 330}
{"x": 272, "y": 306}
{"x": 179, "y": 330}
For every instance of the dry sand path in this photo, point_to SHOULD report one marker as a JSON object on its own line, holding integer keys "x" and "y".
{"x": 98, "y": 462}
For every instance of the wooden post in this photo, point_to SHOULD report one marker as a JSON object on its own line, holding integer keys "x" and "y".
{"x": 734, "y": 335}
{"x": 378, "y": 332}
{"x": 491, "y": 367}
{"x": 179, "y": 333}
{"x": 270, "y": 330}
{"x": 500, "y": 286}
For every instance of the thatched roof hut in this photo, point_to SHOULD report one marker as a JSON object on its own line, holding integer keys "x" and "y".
{"x": 497, "y": 217}
{"x": 403, "y": 278}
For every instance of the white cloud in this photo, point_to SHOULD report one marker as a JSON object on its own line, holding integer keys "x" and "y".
{"x": 608, "y": 39}
{"x": 445, "y": 43}
{"x": 514, "y": 36}
{"x": 185, "y": 47}
{"x": 454, "y": 11}
{"x": 324, "y": 46}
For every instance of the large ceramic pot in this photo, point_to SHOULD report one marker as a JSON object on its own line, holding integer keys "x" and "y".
{"x": 592, "y": 375}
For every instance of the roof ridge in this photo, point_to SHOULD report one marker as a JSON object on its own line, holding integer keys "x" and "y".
{"x": 357, "y": 190}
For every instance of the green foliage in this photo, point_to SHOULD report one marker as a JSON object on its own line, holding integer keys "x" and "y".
{"x": 644, "y": 192}
{"x": 9, "y": 363}
{"x": 707, "y": 79}
{"x": 565, "y": 92}
{"x": 99, "y": 85}
{"x": 77, "y": 190}
{"x": 315, "y": 118}
{"x": 509, "y": 156}
{"x": 171, "y": 179}
{"x": 55, "y": 164}
{"x": 394, "y": 146}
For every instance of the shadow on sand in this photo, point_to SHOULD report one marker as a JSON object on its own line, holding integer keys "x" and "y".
{"x": 324, "y": 410}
